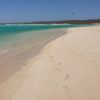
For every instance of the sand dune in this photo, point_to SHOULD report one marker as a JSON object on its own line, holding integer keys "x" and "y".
{"x": 68, "y": 68}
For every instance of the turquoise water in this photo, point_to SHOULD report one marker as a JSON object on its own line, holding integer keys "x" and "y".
{"x": 12, "y": 29}
{"x": 10, "y": 34}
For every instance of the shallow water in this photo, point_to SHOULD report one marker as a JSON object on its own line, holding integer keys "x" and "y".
{"x": 10, "y": 34}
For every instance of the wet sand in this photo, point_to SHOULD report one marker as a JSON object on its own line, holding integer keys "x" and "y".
{"x": 68, "y": 68}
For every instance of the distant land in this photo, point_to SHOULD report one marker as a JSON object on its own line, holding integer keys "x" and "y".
{"x": 90, "y": 21}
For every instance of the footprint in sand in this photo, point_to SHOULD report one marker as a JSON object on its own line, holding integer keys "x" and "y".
{"x": 60, "y": 63}
{"x": 96, "y": 66}
{"x": 94, "y": 63}
{"x": 80, "y": 83}
{"x": 52, "y": 58}
{"x": 67, "y": 76}
{"x": 66, "y": 88}
{"x": 56, "y": 70}
{"x": 53, "y": 66}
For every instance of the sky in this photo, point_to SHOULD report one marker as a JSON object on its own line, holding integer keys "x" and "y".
{"x": 40, "y": 10}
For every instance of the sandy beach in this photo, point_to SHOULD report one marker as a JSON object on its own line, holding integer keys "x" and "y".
{"x": 67, "y": 68}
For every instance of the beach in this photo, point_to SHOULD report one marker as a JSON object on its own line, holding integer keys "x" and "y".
{"x": 17, "y": 47}
{"x": 67, "y": 68}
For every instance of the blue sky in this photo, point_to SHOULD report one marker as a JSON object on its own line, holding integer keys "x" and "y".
{"x": 36, "y": 10}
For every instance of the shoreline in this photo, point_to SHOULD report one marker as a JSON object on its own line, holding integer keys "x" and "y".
{"x": 66, "y": 68}
{"x": 13, "y": 60}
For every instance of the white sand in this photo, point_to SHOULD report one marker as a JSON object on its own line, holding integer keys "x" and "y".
{"x": 68, "y": 68}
